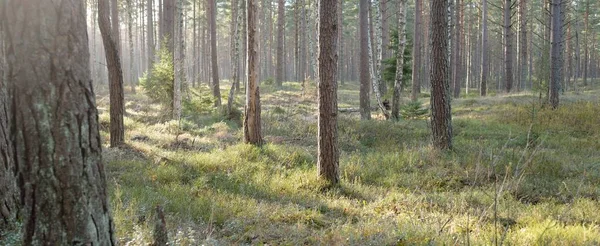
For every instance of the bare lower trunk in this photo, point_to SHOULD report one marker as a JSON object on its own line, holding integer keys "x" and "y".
{"x": 54, "y": 123}
{"x": 328, "y": 154}
{"x": 365, "y": 112}
{"x": 484, "y": 50}
{"x": 441, "y": 118}
{"x": 252, "y": 127}
{"x": 113, "y": 62}
{"x": 213, "y": 52}
{"x": 280, "y": 30}
{"x": 556, "y": 52}
{"x": 417, "y": 47}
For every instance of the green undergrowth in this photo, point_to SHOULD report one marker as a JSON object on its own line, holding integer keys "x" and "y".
{"x": 519, "y": 174}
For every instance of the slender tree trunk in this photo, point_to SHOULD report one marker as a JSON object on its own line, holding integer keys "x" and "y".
{"x": 508, "y": 51}
{"x": 131, "y": 47}
{"x": 213, "y": 52}
{"x": 236, "y": 56}
{"x": 252, "y": 131}
{"x": 178, "y": 61}
{"x": 54, "y": 128}
{"x": 441, "y": 118}
{"x": 417, "y": 47}
{"x": 399, "y": 59}
{"x": 456, "y": 53}
{"x": 522, "y": 44}
{"x": 363, "y": 13}
{"x": 375, "y": 56}
{"x": 586, "y": 38}
{"x": 484, "y": 50}
{"x": 150, "y": 27}
{"x": 280, "y": 30}
{"x": 113, "y": 62}
{"x": 556, "y": 52}
{"x": 328, "y": 154}
{"x": 340, "y": 14}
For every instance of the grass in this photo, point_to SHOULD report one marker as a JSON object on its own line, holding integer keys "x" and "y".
{"x": 520, "y": 174}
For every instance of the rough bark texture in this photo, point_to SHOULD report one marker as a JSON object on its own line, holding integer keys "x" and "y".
{"x": 113, "y": 62}
{"x": 441, "y": 118}
{"x": 328, "y": 156}
{"x": 280, "y": 29}
{"x": 484, "y": 50}
{"x": 417, "y": 45}
{"x": 363, "y": 15}
{"x": 213, "y": 51}
{"x": 399, "y": 59}
{"x": 9, "y": 193}
{"x": 54, "y": 123}
{"x": 341, "y": 41}
{"x": 132, "y": 75}
{"x": 457, "y": 52}
{"x": 556, "y": 52}
{"x": 252, "y": 131}
{"x": 235, "y": 55}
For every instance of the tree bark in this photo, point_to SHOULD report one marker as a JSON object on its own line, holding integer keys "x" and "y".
{"x": 363, "y": 15}
{"x": 375, "y": 56}
{"x": 508, "y": 51}
{"x": 328, "y": 153}
{"x": 252, "y": 131}
{"x": 280, "y": 29}
{"x": 441, "y": 118}
{"x": 213, "y": 51}
{"x": 9, "y": 192}
{"x": 54, "y": 123}
{"x": 522, "y": 69}
{"x": 178, "y": 61}
{"x": 399, "y": 59}
{"x": 417, "y": 47}
{"x": 113, "y": 62}
{"x": 456, "y": 53}
{"x": 132, "y": 75}
{"x": 556, "y": 52}
{"x": 150, "y": 41}
{"x": 484, "y": 50}
{"x": 114, "y": 18}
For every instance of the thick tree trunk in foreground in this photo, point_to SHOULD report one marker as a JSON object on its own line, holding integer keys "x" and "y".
{"x": 441, "y": 118}
{"x": 213, "y": 51}
{"x": 363, "y": 13}
{"x": 328, "y": 156}
{"x": 252, "y": 131}
{"x": 399, "y": 60}
{"x": 9, "y": 193}
{"x": 55, "y": 123}
{"x": 113, "y": 62}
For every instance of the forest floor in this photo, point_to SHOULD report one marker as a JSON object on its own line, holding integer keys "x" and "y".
{"x": 519, "y": 174}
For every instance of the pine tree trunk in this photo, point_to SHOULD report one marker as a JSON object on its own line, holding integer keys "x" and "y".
{"x": 213, "y": 52}
{"x": 9, "y": 193}
{"x": 556, "y": 52}
{"x": 252, "y": 125}
{"x": 280, "y": 29}
{"x": 150, "y": 41}
{"x": 55, "y": 129}
{"x": 456, "y": 53}
{"x": 399, "y": 59}
{"x": 484, "y": 50}
{"x": 341, "y": 61}
{"x": 522, "y": 69}
{"x": 441, "y": 118}
{"x": 586, "y": 52}
{"x": 114, "y": 18}
{"x": 417, "y": 48}
{"x": 113, "y": 62}
{"x": 236, "y": 55}
{"x": 508, "y": 51}
{"x": 328, "y": 154}
{"x": 178, "y": 63}
{"x": 363, "y": 13}
{"x": 131, "y": 47}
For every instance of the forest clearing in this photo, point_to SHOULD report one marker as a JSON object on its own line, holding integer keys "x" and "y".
{"x": 299, "y": 122}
